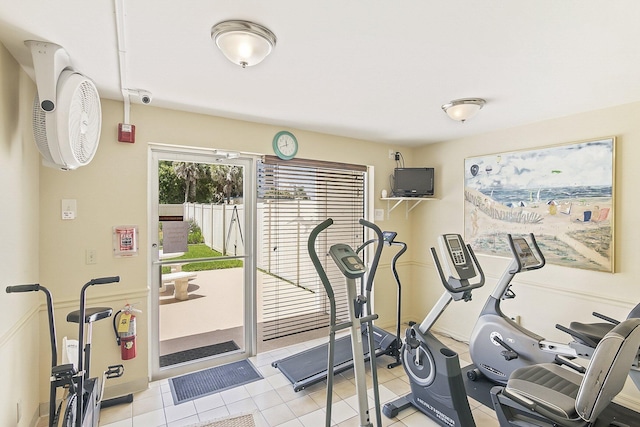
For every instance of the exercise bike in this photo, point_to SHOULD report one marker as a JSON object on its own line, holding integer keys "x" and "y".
{"x": 80, "y": 406}
{"x": 586, "y": 336}
{"x": 498, "y": 345}
{"x": 549, "y": 395}
{"x": 437, "y": 387}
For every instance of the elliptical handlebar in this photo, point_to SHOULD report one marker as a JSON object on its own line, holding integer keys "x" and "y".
{"x": 376, "y": 257}
{"x": 311, "y": 247}
{"x": 516, "y": 255}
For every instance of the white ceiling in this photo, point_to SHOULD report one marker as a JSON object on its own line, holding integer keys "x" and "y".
{"x": 375, "y": 70}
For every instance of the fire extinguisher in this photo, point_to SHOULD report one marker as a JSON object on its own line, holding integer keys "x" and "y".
{"x": 124, "y": 326}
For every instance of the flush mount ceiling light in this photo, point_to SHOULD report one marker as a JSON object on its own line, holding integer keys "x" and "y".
{"x": 242, "y": 42}
{"x": 463, "y": 109}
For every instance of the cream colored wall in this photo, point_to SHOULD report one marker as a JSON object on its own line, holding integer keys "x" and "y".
{"x": 554, "y": 294}
{"x": 21, "y": 344}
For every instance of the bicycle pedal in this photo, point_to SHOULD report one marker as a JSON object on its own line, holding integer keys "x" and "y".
{"x": 509, "y": 355}
{"x": 114, "y": 371}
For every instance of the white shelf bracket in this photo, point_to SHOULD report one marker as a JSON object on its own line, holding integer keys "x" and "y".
{"x": 408, "y": 207}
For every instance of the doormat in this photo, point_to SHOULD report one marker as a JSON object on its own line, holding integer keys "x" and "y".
{"x": 214, "y": 380}
{"x": 238, "y": 421}
{"x": 480, "y": 390}
{"x": 197, "y": 353}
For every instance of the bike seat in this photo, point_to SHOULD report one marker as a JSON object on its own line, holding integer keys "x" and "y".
{"x": 91, "y": 314}
{"x": 595, "y": 331}
{"x": 63, "y": 370}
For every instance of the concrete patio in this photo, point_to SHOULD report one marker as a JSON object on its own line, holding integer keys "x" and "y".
{"x": 213, "y": 313}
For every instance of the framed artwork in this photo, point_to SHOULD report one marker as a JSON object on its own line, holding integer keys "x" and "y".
{"x": 562, "y": 194}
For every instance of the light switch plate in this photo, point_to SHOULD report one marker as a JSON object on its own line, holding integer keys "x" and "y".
{"x": 69, "y": 209}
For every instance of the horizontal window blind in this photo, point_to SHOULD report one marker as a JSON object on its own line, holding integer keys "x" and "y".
{"x": 294, "y": 196}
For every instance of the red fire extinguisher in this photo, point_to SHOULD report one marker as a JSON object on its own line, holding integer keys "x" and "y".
{"x": 124, "y": 325}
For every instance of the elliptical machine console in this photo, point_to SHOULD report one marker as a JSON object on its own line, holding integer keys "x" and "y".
{"x": 437, "y": 388}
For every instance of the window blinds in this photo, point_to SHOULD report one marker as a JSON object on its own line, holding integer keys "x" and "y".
{"x": 294, "y": 196}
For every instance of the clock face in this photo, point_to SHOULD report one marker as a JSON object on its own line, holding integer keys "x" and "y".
{"x": 285, "y": 145}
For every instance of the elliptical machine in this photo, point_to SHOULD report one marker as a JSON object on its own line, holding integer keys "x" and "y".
{"x": 437, "y": 387}
{"x": 352, "y": 268}
{"x": 498, "y": 345}
{"x": 310, "y": 366}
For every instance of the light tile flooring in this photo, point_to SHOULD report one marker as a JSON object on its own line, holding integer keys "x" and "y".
{"x": 273, "y": 402}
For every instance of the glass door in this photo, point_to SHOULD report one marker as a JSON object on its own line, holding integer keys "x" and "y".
{"x": 202, "y": 270}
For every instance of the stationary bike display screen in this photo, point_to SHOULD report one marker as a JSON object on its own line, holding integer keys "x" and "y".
{"x": 524, "y": 252}
{"x": 459, "y": 256}
{"x": 456, "y": 250}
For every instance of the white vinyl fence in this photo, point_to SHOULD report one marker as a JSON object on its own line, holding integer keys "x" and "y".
{"x": 221, "y": 225}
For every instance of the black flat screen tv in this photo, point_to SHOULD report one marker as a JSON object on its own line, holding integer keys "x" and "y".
{"x": 413, "y": 182}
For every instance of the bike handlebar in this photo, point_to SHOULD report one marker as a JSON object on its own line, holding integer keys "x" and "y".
{"x": 22, "y": 288}
{"x": 104, "y": 280}
{"x": 461, "y": 285}
{"x": 536, "y": 248}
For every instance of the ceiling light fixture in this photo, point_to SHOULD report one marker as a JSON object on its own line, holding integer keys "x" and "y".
{"x": 242, "y": 42}
{"x": 463, "y": 109}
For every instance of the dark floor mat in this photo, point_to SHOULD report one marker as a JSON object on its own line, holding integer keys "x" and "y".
{"x": 197, "y": 353}
{"x": 202, "y": 383}
{"x": 480, "y": 390}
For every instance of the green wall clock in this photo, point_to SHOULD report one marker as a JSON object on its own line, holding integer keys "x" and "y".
{"x": 285, "y": 145}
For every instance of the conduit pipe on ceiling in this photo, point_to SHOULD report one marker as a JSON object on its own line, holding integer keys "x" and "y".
{"x": 122, "y": 56}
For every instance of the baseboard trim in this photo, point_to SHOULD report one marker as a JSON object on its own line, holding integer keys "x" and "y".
{"x": 141, "y": 384}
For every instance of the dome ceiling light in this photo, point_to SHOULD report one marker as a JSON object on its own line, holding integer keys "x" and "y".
{"x": 242, "y": 42}
{"x": 463, "y": 109}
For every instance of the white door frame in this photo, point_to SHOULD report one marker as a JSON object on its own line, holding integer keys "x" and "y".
{"x": 159, "y": 152}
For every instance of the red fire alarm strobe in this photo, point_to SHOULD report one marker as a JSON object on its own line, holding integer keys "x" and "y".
{"x": 126, "y": 133}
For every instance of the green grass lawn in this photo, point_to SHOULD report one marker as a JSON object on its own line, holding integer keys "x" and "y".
{"x": 201, "y": 250}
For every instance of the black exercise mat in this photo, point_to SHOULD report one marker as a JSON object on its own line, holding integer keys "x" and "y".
{"x": 197, "y": 353}
{"x": 214, "y": 380}
{"x": 480, "y": 390}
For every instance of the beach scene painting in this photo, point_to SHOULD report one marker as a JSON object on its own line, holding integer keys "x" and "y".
{"x": 562, "y": 194}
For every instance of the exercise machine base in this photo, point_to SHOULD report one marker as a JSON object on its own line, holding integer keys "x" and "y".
{"x": 445, "y": 399}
